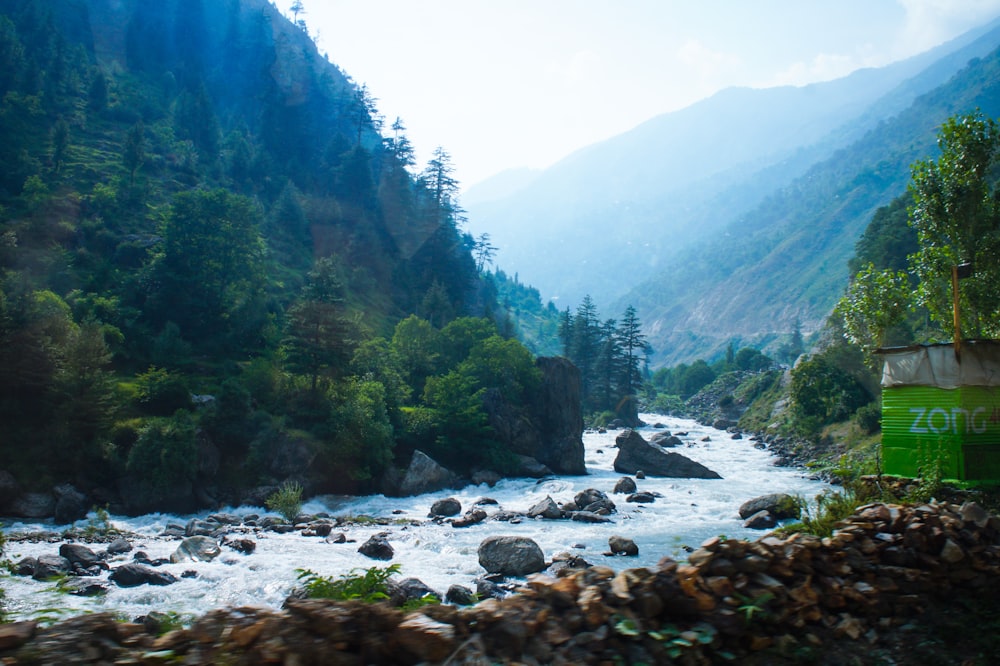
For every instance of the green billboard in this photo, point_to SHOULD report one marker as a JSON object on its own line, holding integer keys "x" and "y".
{"x": 935, "y": 412}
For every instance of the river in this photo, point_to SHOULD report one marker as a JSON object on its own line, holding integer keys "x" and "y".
{"x": 689, "y": 511}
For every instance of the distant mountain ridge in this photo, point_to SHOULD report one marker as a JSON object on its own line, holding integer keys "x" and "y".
{"x": 621, "y": 220}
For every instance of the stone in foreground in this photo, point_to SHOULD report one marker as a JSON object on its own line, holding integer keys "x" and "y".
{"x": 511, "y": 556}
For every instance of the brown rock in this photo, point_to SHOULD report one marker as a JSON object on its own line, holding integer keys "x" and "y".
{"x": 16, "y": 634}
{"x": 428, "y": 639}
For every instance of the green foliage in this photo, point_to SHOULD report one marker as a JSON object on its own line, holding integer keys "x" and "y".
{"x": 165, "y": 455}
{"x": 932, "y": 465}
{"x": 956, "y": 212}
{"x": 287, "y": 500}
{"x": 161, "y": 392}
{"x": 679, "y": 643}
{"x": 869, "y": 418}
{"x": 875, "y": 302}
{"x": 823, "y": 392}
{"x": 158, "y": 224}
{"x": 366, "y": 585}
{"x": 362, "y": 434}
{"x": 831, "y": 507}
{"x": 210, "y": 272}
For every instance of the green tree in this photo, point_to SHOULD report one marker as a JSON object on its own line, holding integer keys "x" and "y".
{"x": 134, "y": 151}
{"x": 362, "y": 439}
{"x": 632, "y": 342}
{"x": 415, "y": 344}
{"x": 875, "y": 302}
{"x": 60, "y": 143}
{"x": 320, "y": 339}
{"x": 956, "y": 212}
{"x": 505, "y": 365}
{"x": 165, "y": 455}
{"x": 209, "y": 275}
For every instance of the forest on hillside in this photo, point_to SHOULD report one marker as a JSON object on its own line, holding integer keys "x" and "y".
{"x": 221, "y": 269}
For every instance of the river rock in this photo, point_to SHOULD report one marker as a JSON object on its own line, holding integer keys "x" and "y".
{"x": 425, "y": 475}
{"x": 665, "y": 440}
{"x": 377, "y": 547}
{"x": 409, "y": 589}
{"x": 445, "y": 508}
{"x": 762, "y": 520}
{"x": 34, "y": 505}
{"x": 635, "y": 453}
{"x": 16, "y": 634}
{"x": 594, "y": 501}
{"x": 83, "y": 587}
{"x": 78, "y": 554}
{"x": 460, "y": 596}
{"x": 71, "y": 504}
{"x": 473, "y": 516}
{"x": 589, "y": 517}
{"x": 119, "y": 546}
{"x": 546, "y": 508}
{"x": 780, "y": 505}
{"x": 9, "y": 489}
{"x": 431, "y": 641}
{"x": 196, "y": 527}
{"x": 625, "y": 486}
{"x": 511, "y": 555}
{"x": 529, "y": 467}
{"x": 245, "y": 546}
{"x": 25, "y": 566}
{"x": 133, "y": 575}
{"x": 51, "y": 566}
{"x": 196, "y": 549}
{"x": 622, "y": 546}
{"x": 641, "y": 498}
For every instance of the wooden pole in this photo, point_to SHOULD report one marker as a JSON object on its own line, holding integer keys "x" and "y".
{"x": 958, "y": 329}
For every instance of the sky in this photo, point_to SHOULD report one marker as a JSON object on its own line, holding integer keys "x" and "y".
{"x": 502, "y": 84}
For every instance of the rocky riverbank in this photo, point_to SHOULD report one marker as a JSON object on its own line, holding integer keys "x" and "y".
{"x": 863, "y": 593}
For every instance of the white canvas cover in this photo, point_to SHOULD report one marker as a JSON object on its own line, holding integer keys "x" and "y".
{"x": 936, "y": 365}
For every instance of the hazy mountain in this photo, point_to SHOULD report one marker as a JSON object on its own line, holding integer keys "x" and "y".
{"x": 623, "y": 207}
{"x": 785, "y": 261}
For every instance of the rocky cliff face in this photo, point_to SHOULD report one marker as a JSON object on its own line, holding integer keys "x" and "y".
{"x": 551, "y": 429}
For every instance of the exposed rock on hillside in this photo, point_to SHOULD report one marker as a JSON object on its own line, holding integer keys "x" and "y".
{"x": 551, "y": 430}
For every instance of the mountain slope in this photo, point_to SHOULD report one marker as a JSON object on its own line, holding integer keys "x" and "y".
{"x": 615, "y": 213}
{"x": 785, "y": 261}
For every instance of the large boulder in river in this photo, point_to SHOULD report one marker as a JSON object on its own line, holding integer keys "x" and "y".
{"x": 34, "y": 505}
{"x": 511, "y": 555}
{"x": 779, "y": 505}
{"x": 548, "y": 426}
{"x": 445, "y": 508}
{"x": 635, "y": 453}
{"x": 196, "y": 549}
{"x": 133, "y": 575}
{"x": 71, "y": 504}
{"x": 424, "y": 475}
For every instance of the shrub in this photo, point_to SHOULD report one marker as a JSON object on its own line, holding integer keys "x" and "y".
{"x": 369, "y": 586}
{"x": 166, "y": 453}
{"x": 287, "y": 500}
{"x": 869, "y": 418}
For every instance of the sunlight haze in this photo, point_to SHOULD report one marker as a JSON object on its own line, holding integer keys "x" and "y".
{"x": 522, "y": 83}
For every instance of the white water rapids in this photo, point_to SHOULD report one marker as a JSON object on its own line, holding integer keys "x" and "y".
{"x": 690, "y": 511}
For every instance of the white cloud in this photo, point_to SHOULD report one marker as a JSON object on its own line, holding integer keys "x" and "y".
{"x": 707, "y": 63}
{"x": 825, "y": 67}
{"x": 931, "y": 22}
